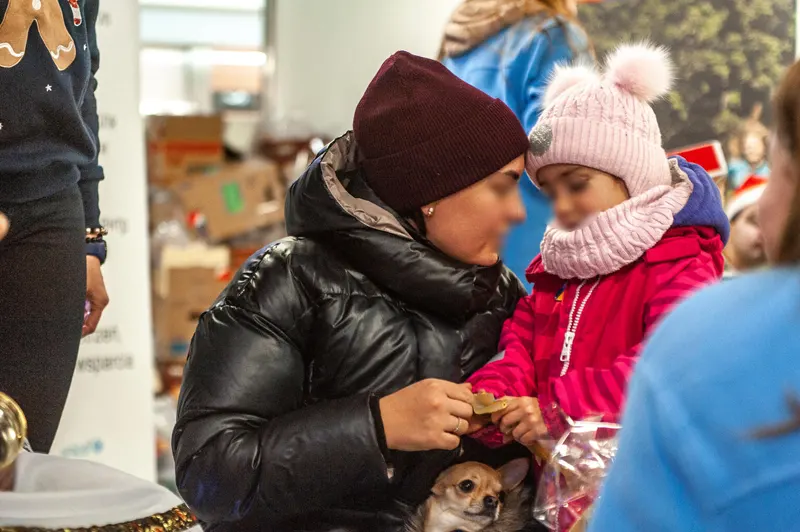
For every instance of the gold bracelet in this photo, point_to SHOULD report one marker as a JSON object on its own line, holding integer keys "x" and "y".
{"x": 94, "y": 234}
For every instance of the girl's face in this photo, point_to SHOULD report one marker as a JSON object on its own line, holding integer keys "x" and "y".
{"x": 754, "y": 149}
{"x": 471, "y": 225}
{"x": 578, "y": 192}
{"x": 776, "y": 201}
{"x": 746, "y": 242}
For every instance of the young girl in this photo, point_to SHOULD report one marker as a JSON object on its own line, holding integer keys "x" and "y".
{"x": 633, "y": 234}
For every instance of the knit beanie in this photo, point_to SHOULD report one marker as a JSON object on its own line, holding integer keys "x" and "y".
{"x": 423, "y": 134}
{"x": 604, "y": 121}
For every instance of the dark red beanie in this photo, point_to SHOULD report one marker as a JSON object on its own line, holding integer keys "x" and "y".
{"x": 424, "y": 134}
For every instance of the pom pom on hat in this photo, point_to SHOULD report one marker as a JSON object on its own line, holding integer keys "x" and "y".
{"x": 643, "y": 70}
{"x": 565, "y": 77}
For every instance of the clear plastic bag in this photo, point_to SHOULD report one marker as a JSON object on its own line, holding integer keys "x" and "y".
{"x": 576, "y": 465}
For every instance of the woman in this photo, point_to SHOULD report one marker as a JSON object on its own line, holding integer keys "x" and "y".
{"x": 508, "y": 49}
{"x": 712, "y": 429}
{"x": 51, "y": 256}
{"x": 326, "y": 369}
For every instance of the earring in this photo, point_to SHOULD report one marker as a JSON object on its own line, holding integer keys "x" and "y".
{"x": 430, "y": 212}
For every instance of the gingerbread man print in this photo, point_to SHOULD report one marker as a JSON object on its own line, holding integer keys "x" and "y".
{"x": 47, "y": 15}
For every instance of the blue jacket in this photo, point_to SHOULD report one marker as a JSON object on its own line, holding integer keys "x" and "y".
{"x": 720, "y": 367}
{"x": 515, "y": 66}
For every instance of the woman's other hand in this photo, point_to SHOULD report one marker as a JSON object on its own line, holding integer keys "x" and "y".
{"x": 521, "y": 421}
{"x": 430, "y": 414}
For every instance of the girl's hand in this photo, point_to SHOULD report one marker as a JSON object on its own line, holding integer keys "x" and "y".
{"x": 521, "y": 421}
{"x": 477, "y": 422}
{"x": 427, "y": 415}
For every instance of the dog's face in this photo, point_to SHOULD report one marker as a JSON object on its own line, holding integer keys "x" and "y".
{"x": 469, "y": 497}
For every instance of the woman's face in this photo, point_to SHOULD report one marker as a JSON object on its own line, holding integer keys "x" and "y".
{"x": 775, "y": 203}
{"x": 578, "y": 192}
{"x": 471, "y": 225}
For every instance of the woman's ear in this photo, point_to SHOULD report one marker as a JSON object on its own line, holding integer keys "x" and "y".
{"x": 513, "y": 473}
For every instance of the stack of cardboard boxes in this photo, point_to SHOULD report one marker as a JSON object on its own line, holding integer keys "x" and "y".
{"x": 215, "y": 204}
{"x": 207, "y": 216}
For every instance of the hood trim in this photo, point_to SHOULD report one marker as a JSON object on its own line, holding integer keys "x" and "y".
{"x": 342, "y": 155}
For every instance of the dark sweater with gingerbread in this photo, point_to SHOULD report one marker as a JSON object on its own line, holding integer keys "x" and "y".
{"x": 48, "y": 118}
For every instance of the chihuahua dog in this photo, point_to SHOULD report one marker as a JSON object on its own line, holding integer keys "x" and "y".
{"x": 473, "y": 497}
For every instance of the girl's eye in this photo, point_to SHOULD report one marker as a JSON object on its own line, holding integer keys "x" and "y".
{"x": 578, "y": 187}
{"x": 466, "y": 486}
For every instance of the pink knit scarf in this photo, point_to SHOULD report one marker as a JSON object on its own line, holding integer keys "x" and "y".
{"x": 617, "y": 237}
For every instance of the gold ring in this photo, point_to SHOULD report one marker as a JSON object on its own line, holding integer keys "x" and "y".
{"x": 457, "y": 430}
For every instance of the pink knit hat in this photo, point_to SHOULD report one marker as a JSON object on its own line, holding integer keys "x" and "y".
{"x": 604, "y": 121}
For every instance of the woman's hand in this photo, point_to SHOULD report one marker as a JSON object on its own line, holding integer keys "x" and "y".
{"x": 96, "y": 295}
{"x": 427, "y": 415}
{"x": 521, "y": 421}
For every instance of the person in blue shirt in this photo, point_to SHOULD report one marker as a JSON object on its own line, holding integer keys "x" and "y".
{"x": 508, "y": 49}
{"x": 711, "y": 434}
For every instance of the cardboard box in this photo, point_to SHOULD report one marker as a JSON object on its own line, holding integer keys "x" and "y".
{"x": 191, "y": 292}
{"x": 235, "y": 200}
{"x": 181, "y": 146}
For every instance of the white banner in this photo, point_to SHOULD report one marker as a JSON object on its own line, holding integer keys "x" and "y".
{"x": 109, "y": 413}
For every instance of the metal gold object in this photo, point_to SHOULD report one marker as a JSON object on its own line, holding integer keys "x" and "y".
{"x": 13, "y": 430}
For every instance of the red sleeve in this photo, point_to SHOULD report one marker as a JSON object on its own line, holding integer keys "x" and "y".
{"x": 602, "y": 391}
{"x": 511, "y": 373}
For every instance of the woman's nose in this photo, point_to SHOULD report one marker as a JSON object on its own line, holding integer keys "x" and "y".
{"x": 517, "y": 209}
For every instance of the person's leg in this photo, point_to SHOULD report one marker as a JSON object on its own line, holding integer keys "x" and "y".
{"x": 42, "y": 291}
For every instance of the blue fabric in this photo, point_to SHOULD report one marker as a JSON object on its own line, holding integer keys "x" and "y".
{"x": 704, "y": 207}
{"x": 48, "y": 138}
{"x": 720, "y": 367}
{"x": 515, "y": 66}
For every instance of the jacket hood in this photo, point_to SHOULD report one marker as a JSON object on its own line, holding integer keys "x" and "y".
{"x": 332, "y": 204}
{"x": 704, "y": 207}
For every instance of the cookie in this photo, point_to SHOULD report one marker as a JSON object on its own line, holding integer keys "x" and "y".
{"x": 484, "y": 403}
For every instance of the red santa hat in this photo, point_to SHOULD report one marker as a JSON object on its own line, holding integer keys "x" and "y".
{"x": 746, "y": 195}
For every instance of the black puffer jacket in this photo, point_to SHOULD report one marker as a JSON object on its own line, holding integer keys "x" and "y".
{"x": 277, "y": 417}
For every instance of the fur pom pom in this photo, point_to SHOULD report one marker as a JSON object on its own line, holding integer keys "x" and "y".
{"x": 644, "y": 70}
{"x": 565, "y": 77}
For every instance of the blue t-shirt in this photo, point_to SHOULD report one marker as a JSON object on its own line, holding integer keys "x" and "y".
{"x": 720, "y": 367}
{"x": 515, "y": 66}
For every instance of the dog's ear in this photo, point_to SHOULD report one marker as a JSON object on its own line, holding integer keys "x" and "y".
{"x": 514, "y": 472}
